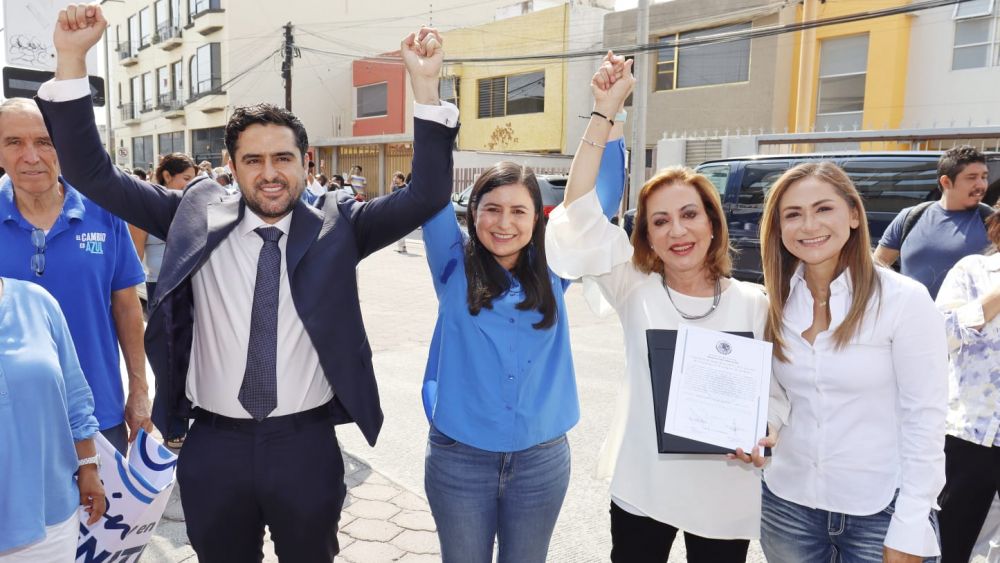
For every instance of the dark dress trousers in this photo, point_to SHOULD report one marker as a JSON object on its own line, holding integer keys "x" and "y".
{"x": 325, "y": 243}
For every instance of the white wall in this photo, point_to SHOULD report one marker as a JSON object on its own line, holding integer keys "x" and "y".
{"x": 586, "y": 31}
{"x": 937, "y": 96}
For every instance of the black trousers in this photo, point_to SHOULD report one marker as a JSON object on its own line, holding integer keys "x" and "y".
{"x": 236, "y": 476}
{"x": 640, "y": 539}
{"x": 973, "y": 479}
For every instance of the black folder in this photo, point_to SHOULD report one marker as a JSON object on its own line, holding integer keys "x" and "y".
{"x": 661, "y": 345}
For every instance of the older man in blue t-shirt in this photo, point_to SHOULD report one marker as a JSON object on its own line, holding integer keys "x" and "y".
{"x": 55, "y": 237}
{"x": 946, "y": 231}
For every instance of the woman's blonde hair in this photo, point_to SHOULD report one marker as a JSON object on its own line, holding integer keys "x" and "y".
{"x": 779, "y": 264}
{"x": 718, "y": 260}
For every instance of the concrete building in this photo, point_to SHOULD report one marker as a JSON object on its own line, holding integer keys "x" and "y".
{"x": 705, "y": 92}
{"x": 507, "y": 105}
{"x": 180, "y": 67}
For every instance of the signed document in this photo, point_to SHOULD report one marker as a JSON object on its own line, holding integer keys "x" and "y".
{"x": 719, "y": 388}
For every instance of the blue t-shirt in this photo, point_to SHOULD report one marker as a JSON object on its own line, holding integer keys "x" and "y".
{"x": 493, "y": 381}
{"x": 938, "y": 240}
{"x": 89, "y": 254}
{"x": 45, "y": 406}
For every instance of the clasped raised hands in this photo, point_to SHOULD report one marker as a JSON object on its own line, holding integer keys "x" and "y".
{"x": 423, "y": 56}
{"x": 612, "y": 83}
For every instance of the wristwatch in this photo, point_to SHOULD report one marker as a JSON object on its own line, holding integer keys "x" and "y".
{"x": 620, "y": 116}
{"x": 94, "y": 459}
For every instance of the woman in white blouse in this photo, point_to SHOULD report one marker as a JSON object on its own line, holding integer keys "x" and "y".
{"x": 675, "y": 270}
{"x": 970, "y": 300}
{"x": 861, "y": 354}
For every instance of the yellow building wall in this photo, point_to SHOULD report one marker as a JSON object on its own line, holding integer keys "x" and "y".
{"x": 531, "y": 34}
{"x": 888, "y": 56}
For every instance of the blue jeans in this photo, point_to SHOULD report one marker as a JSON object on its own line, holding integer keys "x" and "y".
{"x": 478, "y": 497}
{"x": 792, "y": 533}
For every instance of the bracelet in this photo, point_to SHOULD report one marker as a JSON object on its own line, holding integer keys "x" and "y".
{"x": 602, "y": 116}
{"x": 620, "y": 116}
{"x": 592, "y": 143}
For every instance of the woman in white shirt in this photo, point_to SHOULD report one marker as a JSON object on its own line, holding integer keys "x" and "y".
{"x": 861, "y": 353}
{"x": 675, "y": 270}
{"x": 970, "y": 300}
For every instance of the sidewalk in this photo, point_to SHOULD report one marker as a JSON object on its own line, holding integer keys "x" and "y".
{"x": 381, "y": 522}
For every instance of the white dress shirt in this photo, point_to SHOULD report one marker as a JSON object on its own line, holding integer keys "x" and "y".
{"x": 869, "y": 418}
{"x": 223, "y": 299}
{"x": 706, "y": 495}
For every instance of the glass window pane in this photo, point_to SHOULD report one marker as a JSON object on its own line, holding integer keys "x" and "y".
{"x": 720, "y": 63}
{"x": 373, "y": 100}
{"x": 841, "y": 93}
{"x": 757, "y": 179}
{"x": 969, "y": 32}
{"x": 667, "y": 53}
{"x": 145, "y": 26}
{"x": 843, "y": 55}
{"x": 526, "y": 93}
{"x": 970, "y": 57}
{"x": 971, "y": 8}
{"x": 891, "y": 186}
{"x": 133, "y": 34}
{"x": 665, "y": 79}
{"x": 718, "y": 175}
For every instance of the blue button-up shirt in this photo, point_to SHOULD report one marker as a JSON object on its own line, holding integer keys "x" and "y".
{"x": 45, "y": 405}
{"x": 493, "y": 381}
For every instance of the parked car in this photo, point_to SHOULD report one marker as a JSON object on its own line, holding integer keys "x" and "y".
{"x": 552, "y": 186}
{"x": 888, "y": 182}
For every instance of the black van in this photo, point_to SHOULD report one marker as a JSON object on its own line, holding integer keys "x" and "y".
{"x": 888, "y": 182}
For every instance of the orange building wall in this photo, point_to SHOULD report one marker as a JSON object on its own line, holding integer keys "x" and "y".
{"x": 367, "y": 72}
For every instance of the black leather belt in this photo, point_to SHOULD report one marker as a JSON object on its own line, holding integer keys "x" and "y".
{"x": 317, "y": 414}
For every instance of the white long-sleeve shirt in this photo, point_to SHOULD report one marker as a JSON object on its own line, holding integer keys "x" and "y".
{"x": 869, "y": 418}
{"x": 706, "y": 495}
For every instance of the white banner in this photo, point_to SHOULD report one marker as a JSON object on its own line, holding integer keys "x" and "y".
{"x": 137, "y": 489}
{"x": 28, "y": 27}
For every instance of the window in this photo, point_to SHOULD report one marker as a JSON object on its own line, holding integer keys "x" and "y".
{"x": 208, "y": 144}
{"x": 164, "y": 86}
{"x": 135, "y": 90}
{"x": 177, "y": 74}
{"x": 170, "y": 142}
{"x": 888, "y": 186}
{"x": 175, "y": 13}
{"x": 977, "y": 35}
{"x": 973, "y": 8}
{"x": 197, "y": 7}
{"x": 526, "y": 93}
{"x": 162, "y": 20}
{"x": 148, "y": 91}
{"x": 373, "y": 100}
{"x": 448, "y": 89}
{"x": 206, "y": 71}
{"x": 145, "y": 27}
{"x": 718, "y": 174}
{"x": 758, "y": 177}
{"x": 133, "y": 35}
{"x": 679, "y": 66}
{"x": 512, "y": 95}
{"x": 142, "y": 152}
{"x": 843, "y": 64}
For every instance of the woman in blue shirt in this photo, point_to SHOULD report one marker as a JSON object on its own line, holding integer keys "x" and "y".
{"x": 499, "y": 388}
{"x": 45, "y": 406}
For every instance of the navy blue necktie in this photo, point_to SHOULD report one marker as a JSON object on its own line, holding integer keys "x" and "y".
{"x": 259, "y": 392}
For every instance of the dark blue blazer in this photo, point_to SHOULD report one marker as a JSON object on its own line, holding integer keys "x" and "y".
{"x": 325, "y": 243}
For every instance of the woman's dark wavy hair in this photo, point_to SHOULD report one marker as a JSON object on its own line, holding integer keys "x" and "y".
{"x": 175, "y": 163}
{"x": 487, "y": 278}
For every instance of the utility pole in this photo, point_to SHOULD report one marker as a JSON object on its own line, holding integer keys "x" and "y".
{"x": 286, "y": 65}
{"x": 637, "y": 176}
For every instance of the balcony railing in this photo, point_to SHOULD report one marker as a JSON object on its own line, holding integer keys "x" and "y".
{"x": 127, "y": 110}
{"x": 125, "y": 50}
{"x": 169, "y": 102}
{"x": 166, "y": 31}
